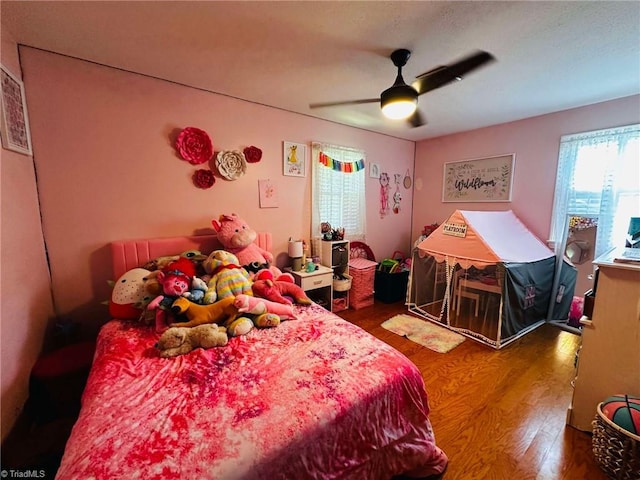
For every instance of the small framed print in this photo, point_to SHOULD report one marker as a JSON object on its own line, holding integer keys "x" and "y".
{"x": 268, "y": 194}
{"x": 374, "y": 170}
{"x": 294, "y": 159}
{"x": 14, "y": 124}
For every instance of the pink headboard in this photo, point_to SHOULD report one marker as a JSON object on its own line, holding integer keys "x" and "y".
{"x": 128, "y": 254}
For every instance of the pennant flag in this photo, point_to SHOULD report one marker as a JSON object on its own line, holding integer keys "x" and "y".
{"x": 338, "y": 166}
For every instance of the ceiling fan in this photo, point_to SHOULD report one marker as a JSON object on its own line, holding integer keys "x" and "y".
{"x": 400, "y": 101}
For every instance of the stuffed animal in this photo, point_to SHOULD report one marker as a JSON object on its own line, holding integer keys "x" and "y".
{"x": 180, "y": 340}
{"x": 221, "y": 312}
{"x": 259, "y": 306}
{"x": 159, "y": 263}
{"x": 175, "y": 279}
{"x": 227, "y": 277}
{"x": 198, "y": 289}
{"x": 129, "y": 296}
{"x": 278, "y": 290}
{"x": 237, "y": 237}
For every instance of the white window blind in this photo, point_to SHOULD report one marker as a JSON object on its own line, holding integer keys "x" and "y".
{"x": 338, "y": 189}
{"x": 599, "y": 176}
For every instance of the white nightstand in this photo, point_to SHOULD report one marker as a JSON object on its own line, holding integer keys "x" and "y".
{"x": 318, "y": 285}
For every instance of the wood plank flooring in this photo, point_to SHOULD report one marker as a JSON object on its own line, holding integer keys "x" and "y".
{"x": 499, "y": 414}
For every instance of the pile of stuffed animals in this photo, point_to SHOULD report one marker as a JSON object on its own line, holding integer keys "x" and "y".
{"x": 198, "y": 300}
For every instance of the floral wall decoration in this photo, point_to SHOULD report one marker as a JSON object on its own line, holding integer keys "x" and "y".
{"x": 252, "y": 154}
{"x": 231, "y": 164}
{"x": 194, "y": 145}
{"x": 203, "y": 178}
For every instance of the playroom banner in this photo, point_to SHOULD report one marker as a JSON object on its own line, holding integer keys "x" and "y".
{"x": 480, "y": 180}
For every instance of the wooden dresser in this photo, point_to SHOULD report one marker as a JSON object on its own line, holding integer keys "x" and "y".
{"x": 609, "y": 358}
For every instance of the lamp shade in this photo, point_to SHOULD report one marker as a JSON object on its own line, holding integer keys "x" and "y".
{"x": 295, "y": 248}
{"x": 399, "y": 101}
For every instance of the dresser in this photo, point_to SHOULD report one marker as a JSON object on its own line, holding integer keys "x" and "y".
{"x": 609, "y": 357}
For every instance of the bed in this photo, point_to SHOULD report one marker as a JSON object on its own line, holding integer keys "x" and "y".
{"x": 314, "y": 398}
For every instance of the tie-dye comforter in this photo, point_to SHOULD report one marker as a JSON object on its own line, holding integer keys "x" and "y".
{"x": 314, "y": 398}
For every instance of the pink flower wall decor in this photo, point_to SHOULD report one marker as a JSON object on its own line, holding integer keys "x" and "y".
{"x": 252, "y": 154}
{"x": 203, "y": 178}
{"x": 194, "y": 145}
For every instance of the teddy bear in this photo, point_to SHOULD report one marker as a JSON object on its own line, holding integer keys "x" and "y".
{"x": 222, "y": 312}
{"x": 228, "y": 278}
{"x": 278, "y": 290}
{"x": 237, "y": 237}
{"x": 180, "y": 340}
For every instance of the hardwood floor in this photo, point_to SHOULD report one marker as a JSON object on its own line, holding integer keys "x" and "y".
{"x": 499, "y": 414}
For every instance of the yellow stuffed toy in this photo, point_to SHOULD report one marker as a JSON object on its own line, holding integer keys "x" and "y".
{"x": 227, "y": 277}
{"x": 180, "y": 340}
{"x": 222, "y": 312}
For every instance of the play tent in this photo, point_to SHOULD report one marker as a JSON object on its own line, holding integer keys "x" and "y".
{"x": 485, "y": 275}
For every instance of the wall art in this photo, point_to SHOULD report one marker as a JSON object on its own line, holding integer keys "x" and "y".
{"x": 294, "y": 159}
{"x": 479, "y": 180}
{"x": 14, "y": 126}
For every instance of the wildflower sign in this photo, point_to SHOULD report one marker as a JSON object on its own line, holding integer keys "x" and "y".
{"x": 481, "y": 180}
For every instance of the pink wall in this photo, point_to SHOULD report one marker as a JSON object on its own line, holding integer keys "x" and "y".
{"x": 24, "y": 281}
{"x": 107, "y": 169}
{"x": 535, "y": 142}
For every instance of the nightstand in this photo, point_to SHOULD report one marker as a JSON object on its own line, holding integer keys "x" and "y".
{"x": 318, "y": 285}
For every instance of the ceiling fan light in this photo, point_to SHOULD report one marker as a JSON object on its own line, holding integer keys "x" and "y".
{"x": 399, "y": 102}
{"x": 399, "y": 109}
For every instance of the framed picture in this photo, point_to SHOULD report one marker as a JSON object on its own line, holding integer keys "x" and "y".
{"x": 14, "y": 125}
{"x": 294, "y": 159}
{"x": 374, "y": 170}
{"x": 479, "y": 180}
{"x": 268, "y": 192}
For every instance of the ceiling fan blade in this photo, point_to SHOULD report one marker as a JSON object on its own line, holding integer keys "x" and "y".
{"x": 417, "y": 120}
{"x": 347, "y": 102}
{"x": 441, "y": 76}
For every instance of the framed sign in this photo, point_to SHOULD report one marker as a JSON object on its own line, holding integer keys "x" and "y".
{"x": 14, "y": 127}
{"x": 480, "y": 180}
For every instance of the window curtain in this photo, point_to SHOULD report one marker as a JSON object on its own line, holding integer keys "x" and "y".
{"x": 599, "y": 176}
{"x": 338, "y": 189}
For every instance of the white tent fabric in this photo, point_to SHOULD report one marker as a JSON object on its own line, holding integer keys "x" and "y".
{"x": 490, "y": 237}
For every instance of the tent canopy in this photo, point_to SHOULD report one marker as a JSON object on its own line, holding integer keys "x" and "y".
{"x": 490, "y": 237}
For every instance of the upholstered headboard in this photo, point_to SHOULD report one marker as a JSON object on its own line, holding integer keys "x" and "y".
{"x": 128, "y": 254}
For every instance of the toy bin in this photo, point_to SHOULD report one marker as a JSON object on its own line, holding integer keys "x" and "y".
{"x": 363, "y": 276}
{"x": 616, "y": 449}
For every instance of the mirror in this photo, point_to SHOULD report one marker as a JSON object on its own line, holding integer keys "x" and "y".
{"x": 580, "y": 249}
{"x": 574, "y": 269}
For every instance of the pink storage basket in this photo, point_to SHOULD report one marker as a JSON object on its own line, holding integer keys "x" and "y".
{"x": 363, "y": 274}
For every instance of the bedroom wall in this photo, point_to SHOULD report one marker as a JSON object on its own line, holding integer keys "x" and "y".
{"x": 26, "y": 307}
{"x": 535, "y": 142}
{"x": 107, "y": 169}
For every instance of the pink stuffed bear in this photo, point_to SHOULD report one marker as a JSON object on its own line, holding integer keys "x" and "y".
{"x": 259, "y": 306}
{"x": 238, "y": 238}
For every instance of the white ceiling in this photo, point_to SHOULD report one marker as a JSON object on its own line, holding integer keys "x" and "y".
{"x": 551, "y": 56}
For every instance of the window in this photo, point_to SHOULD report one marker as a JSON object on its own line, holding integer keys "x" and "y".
{"x": 338, "y": 189}
{"x": 599, "y": 176}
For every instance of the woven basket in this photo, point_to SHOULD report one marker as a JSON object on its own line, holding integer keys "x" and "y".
{"x": 616, "y": 450}
{"x": 342, "y": 285}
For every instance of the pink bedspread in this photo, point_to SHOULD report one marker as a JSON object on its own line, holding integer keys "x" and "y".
{"x": 315, "y": 398}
